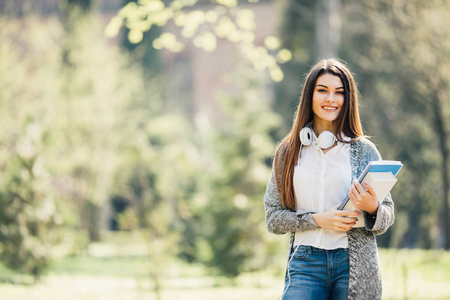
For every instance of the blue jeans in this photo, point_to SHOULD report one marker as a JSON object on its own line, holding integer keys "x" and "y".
{"x": 317, "y": 274}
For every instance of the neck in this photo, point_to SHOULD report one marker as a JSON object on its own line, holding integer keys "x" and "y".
{"x": 320, "y": 127}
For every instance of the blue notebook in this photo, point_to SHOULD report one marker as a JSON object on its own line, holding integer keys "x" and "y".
{"x": 380, "y": 166}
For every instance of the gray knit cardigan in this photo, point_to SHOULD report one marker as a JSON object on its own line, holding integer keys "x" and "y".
{"x": 365, "y": 273}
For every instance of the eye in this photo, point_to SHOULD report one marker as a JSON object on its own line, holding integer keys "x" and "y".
{"x": 321, "y": 90}
{"x": 340, "y": 92}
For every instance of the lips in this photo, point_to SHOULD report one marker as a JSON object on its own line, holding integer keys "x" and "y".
{"x": 329, "y": 108}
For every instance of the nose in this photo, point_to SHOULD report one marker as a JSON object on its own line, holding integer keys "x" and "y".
{"x": 330, "y": 97}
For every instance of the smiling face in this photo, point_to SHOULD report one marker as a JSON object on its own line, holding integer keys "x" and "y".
{"x": 328, "y": 98}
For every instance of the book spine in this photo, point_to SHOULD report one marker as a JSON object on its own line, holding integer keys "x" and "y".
{"x": 344, "y": 203}
{"x": 366, "y": 171}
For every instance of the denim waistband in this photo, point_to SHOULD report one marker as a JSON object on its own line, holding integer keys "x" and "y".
{"x": 311, "y": 249}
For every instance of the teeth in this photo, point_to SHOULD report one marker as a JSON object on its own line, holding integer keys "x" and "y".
{"x": 329, "y": 108}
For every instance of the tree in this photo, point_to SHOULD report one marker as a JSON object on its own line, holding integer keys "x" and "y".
{"x": 29, "y": 216}
{"x": 91, "y": 111}
{"x": 201, "y": 25}
{"x": 298, "y": 35}
{"x": 219, "y": 197}
{"x": 391, "y": 47}
{"x": 328, "y": 28}
{"x": 28, "y": 210}
{"x": 233, "y": 177}
{"x": 405, "y": 83}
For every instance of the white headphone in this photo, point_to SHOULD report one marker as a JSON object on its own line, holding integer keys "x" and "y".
{"x": 325, "y": 140}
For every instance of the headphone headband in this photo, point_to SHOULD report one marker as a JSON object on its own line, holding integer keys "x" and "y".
{"x": 325, "y": 140}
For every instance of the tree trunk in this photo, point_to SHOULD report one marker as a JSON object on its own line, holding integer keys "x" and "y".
{"x": 85, "y": 5}
{"x": 441, "y": 130}
{"x": 328, "y": 28}
{"x": 93, "y": 220}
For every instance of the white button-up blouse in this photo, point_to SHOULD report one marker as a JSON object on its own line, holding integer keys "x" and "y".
{"x": 321, "y": 181}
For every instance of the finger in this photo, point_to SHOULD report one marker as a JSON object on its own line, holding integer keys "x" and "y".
{"x": 352, "y": 198}
{"x": 359, "y": 192}
{"x": 369, "y": 188}
{"x": 342, "y": 228}
{"x": 349, "y": 220}
{"x": 358, "y": 187}
{"x": 350, "y": 214}
{"x": 350, "y": 191}
{"x": 356, "y": 201}
{"x": 345, "y": 222}
{"x": 356, "y": 195}
{"x": 347, "y": 227}
{"x": 354, "y": 190}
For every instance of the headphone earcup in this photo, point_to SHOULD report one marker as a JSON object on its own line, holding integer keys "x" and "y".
{"x": 326, "y": 139}
{"x": 306, "y": 136}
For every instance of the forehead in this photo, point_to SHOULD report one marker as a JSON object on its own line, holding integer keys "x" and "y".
{"x": 329, "y": 80}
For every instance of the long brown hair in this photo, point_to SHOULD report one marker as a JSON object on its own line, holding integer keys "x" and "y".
{"x": 348, "y": 123}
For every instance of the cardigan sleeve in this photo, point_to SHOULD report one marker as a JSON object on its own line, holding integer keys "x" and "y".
{"x": 280, "y": 220}
{"x": 384, "y": 217}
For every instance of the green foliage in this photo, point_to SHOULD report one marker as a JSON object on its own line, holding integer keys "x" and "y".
{"x": 85, "y": 103}
{"x": 218, "y": 170}
{"x": 201, "y": 25}
{"x": 100, "y": 91}
{"x": 402, "y": 81}
{"x": 399, "y": 54}
{"x": 412, "y": 274}
{"x": 156, "y": 174}
{"x": 233, "y": 179}
{"x": 28, "y": 213}
{"x": 27, "y": 207}
{"x": 297, "y": 34}
{"x": 84, "y": 123}
{"x": 143, "y": 53}
{"x": 198, "y": 187}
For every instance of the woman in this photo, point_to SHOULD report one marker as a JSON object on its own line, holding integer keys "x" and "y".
{"x": 315, "y": 167}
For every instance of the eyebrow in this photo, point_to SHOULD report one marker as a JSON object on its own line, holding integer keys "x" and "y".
{"x": 341, "y": 87}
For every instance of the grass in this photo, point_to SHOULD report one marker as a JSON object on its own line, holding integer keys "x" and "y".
{"x": 415, "y": 274}
{"x": 407, "y": 274}
{"x": 129, "y": 278}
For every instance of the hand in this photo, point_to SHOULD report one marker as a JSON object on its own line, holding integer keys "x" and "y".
{"x": 335, "y": 219}
{"x": 362, "y": 199}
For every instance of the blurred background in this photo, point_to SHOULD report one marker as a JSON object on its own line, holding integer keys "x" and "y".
{"x": 136, "y": 140}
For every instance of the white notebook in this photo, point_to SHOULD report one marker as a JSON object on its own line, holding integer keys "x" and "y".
{"x": 382, "y": 183}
